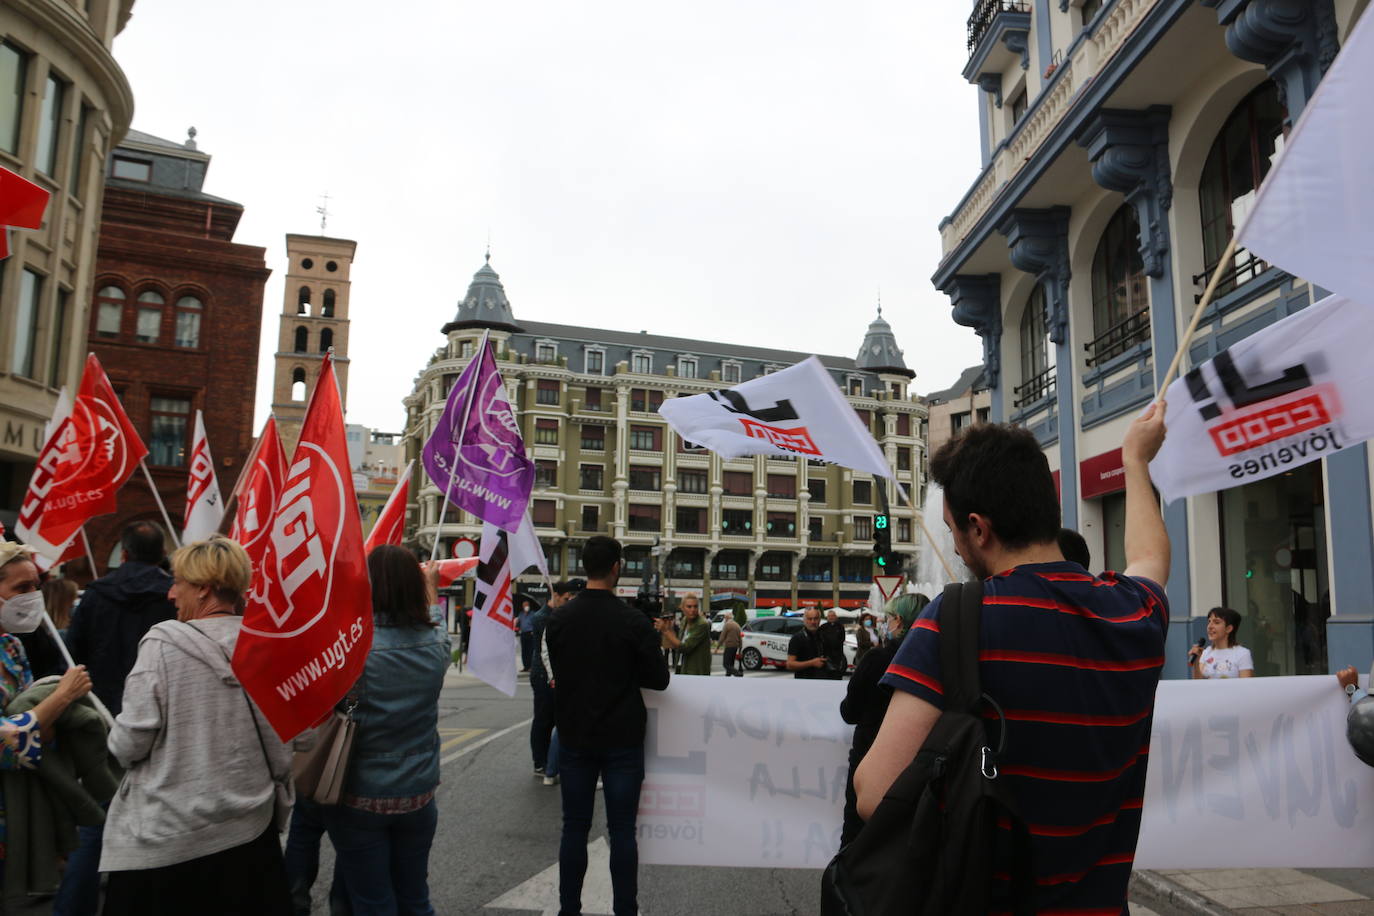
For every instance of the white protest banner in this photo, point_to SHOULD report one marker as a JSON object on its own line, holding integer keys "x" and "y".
{"x": 204, "y": 507}
{"x": 1255, "y": 773}
{"x": 1311, "y": 215}
{"x": 798, "y": 411}
{"x": 1289, "y": 394}
{"x": 752, "y": 776}
{"x": 1245, "y": 773}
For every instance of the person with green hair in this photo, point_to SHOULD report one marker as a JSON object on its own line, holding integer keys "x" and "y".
{"x": 865, "y": 701}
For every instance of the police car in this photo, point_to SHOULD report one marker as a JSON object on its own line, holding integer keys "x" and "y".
{"x": 763, "y": 642}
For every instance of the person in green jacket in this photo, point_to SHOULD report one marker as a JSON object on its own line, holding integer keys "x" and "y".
{"x": 695, "y": 644}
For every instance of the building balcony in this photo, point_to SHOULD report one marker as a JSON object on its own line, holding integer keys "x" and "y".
{"x": 1004, "y": 21}
{"x": 1034, "y": 389}
{"x": 1087, "y": 59}
{"x": 1120, "y": 337}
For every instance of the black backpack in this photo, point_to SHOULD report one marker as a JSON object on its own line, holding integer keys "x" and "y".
{"x": 929, "y": 846}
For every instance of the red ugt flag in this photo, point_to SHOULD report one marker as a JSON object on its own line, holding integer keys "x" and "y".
{"x": 257, "y": 490}
{"x": 85, "y": 461}
{"x": 308, "y": 623}
{"x": 391, "y": 523}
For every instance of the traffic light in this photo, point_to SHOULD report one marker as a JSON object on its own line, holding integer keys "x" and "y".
{"x": 882, "y": 542}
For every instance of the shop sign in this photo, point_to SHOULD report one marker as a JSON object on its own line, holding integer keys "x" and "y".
{"x": 1102, "y": 474}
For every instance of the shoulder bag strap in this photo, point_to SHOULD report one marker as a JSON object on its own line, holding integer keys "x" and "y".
{"x": 961, "y": 611}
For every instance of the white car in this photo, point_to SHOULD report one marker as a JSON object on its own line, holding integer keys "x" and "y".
{"x": 764, "y": 642}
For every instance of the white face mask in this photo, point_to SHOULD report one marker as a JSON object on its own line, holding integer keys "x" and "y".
{"x": 22, "y": 613}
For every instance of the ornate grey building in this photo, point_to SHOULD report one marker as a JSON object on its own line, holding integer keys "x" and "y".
{"x": 770, "y": 531}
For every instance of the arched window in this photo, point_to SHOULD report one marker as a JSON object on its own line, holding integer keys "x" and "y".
{"x": 329, "y": 303}
{"x": 148, "y": 323}
{"x": 1037, "y": 356}
{"x": 326, "y": 340}
{"x": 302, "y": 340}
{"x": 298, "y": 384}
{"x": 109, "y": 311}
{"x": 188, "y": 314}
{"x": 1121, "y": 297}
{"x": 1239, "y": 159}
{"x": 303, "y": 301}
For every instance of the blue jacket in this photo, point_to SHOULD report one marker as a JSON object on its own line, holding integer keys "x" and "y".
{"x": 396, "y": 747}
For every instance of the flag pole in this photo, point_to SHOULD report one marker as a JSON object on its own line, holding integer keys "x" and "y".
{"x": 143, "y": 463}
{"x": 67, "y": 657}
{"x": 458, "y": 447}
{"x": 1206, "y": 300}
{"x": 90, "y": 557}
{"x": 930, "y": 538}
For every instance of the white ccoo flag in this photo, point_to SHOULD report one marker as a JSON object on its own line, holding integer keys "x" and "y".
{"x": 1289, "y": 394}
{"x": 798, "y": 412}
{"x": 1311, "y": 216}
{"x": 204, "y": 504}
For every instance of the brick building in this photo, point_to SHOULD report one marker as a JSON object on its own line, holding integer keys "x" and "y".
{"x": 175, "y": 319}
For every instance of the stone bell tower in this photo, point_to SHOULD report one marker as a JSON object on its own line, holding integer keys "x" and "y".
{"x": 314, "y": 317}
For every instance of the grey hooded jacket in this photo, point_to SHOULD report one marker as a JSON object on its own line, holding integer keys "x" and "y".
{"x": 197, "y": 781}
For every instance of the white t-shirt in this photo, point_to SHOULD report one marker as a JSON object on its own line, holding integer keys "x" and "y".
{"x": 1226, "y": 662}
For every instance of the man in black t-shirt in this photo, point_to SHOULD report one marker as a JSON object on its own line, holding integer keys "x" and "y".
{"x": 806, "y": 651}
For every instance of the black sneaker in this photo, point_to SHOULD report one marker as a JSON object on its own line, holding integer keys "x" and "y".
{"x": 538, "y": 772}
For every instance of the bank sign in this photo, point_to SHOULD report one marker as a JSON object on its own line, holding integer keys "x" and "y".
{"x": 1294, "y": 392}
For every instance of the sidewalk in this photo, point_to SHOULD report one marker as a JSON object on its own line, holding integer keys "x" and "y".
{"x": 1258, "y": 891}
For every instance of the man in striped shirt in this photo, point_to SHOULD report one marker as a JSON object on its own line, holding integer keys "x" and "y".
{"x": 1072, "y": 659}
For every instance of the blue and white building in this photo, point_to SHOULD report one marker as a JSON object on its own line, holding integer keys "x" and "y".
{"x": 1122, "y": 143}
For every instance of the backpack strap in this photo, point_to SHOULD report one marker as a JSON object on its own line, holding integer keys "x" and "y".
{"x": 961, "y": 613}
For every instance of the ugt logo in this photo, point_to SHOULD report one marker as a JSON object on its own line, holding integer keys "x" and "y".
{"x": 1264, "y": 412}
{"x": 758, "y": 426}
{"x": 304, "y": 538}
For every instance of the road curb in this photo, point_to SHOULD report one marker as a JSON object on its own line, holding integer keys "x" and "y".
{"x": 1155, "y": 887}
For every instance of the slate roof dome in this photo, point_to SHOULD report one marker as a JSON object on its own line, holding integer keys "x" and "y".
{"x": 879, "y": 352}
{"x": 485, "y": 305}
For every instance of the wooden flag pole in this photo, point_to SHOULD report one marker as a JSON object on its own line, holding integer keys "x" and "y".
{"x": 90, "y": 557}
{"x": 67, "y": 657}
{"x": 176, "y": 539}
{"x": 930, "y": 538}
{"x": 1206, "y": 300}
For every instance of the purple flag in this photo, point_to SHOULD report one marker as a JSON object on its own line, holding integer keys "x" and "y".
{"x": 492, "y": 478}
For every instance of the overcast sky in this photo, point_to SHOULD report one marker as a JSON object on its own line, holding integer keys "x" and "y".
{"x": 754, "y": 171}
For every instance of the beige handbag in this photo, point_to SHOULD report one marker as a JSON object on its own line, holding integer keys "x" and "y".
{"x": 320, "y": 771}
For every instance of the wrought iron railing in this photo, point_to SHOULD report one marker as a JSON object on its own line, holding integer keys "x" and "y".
{"x": 985, "y": 13}
{"x": 1119, "y": 338}
{"x": 1036, "y": 387}
{"x": 1244, "y": 268}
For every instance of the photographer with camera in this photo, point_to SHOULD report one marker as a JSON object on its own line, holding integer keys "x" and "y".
{"x": 806, "y": 653}
{"x": 694, "y": 646}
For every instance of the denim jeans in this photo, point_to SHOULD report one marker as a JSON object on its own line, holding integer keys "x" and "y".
{"x": 79, "y": 892}
{"x": 303, "y": 860}
{"x": 542, "y": 725}
{"x": 551, "y": 768}
{"x": 383, "y": 859}
{"x": 622, "y": 772}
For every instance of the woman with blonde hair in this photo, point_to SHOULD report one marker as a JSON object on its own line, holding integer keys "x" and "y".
{"x": 192, "y": 828}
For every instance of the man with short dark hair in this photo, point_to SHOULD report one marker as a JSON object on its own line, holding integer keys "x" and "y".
{"x": 117, "y": 609}
{"x": 1074, "y": 547}
{"x": 602, "y": 653}
{"x": 114, "y": 614}
{"x": 1073, "y": 661}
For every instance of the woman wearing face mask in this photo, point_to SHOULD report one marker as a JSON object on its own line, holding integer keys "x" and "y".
{"x": 865, "y": 637}
{"x": 865, "y": 701}
{"x": 21, "y": 611}
{"x": 192, "y": 828}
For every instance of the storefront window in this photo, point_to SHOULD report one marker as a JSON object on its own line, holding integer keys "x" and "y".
{"x": 1275, "y": 570}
